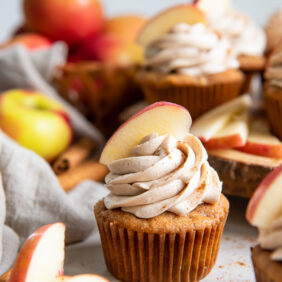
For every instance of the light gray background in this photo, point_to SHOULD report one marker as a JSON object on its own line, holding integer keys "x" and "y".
{"x": 11, "y": 14}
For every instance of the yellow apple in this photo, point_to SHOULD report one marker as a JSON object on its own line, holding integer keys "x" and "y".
{"x": 35, "y": 122}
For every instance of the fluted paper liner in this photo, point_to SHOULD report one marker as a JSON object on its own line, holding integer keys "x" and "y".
{"x": 273, "y": 104}
{"x": 141, "y": 256}
{"x": 265, "y": 269}
{"x": 197, "y": 99}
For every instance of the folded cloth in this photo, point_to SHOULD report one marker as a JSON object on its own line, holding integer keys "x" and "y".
{"x": 31, "y": 195}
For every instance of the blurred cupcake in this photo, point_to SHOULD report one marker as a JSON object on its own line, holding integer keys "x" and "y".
{"x": 273, "y": 30}
{"x": 248, "y": 41}
{"x": 164, "y": 217}
{"x": 273, "y": 90}
{"x": 190, "y": 65}
{"x": 265, "y": 212}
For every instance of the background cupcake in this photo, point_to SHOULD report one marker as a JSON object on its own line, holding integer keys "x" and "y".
{"x": 164, "y": 217}
{"x": 265, "y": 212}
{"x": 248, "y": 41}
{"x": 188, "y": 64}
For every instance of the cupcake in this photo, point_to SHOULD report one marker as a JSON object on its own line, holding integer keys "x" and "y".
{"x": 273, "y": 90}
{"x": 164, "y": 217}
{"x": 265, "y": 212}
{"x": 189, "y": 64}
{"x": 273, "y": 30}
{"x": 248, "y": 41}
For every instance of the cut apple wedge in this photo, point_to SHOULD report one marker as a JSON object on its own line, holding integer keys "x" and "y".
{"x": 211, "y": 123}
{"x": 261, "y": 141}
{"x": 213, "y": 6}
{"x": 233, "y": 135}
{"x": 42, "y": 256}
{"x": 81, "y": 278}
{"x": 265, "y": 205}
{"x": 161, "y": 117}
{"x": 165, "y": 21}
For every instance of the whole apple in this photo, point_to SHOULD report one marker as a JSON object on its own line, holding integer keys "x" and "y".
{"x": 69, "y": 20}
{"x": 31, "y": 41}
{"x": 35, "y": 122}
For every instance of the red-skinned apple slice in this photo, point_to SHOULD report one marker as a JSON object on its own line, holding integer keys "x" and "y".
{"x": 42, "y": 256}
{"x": 261, "y": 141}
{"x": 81, "y": 278}
{"x": 165, "y": 21}
{"x": 233, "y": 135}
{"x": 265, "y": 205}
{"x": 209, "y": 124}
{"x": 161, "y": 117}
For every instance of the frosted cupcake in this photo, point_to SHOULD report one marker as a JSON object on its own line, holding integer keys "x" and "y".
{"x": 165, "y": 213}
{"x": 248, "y": 40}
{"x": 191, "y": 65}
{"x": 265, "y": 212}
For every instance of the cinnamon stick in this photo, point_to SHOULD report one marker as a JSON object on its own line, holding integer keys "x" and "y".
{"x": 90, "y": 170}
{"x": 73, "y": 156}
{"x": 6, "y": 276}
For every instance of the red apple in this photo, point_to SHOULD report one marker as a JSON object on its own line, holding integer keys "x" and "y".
{"x": 161, "y": 117}
{"x": 70, "y": 21}
{"x": 31, "y": 41}
{"x": 35, "y": 122}
{"x": 163, "y": 22}
{"x": 265, "y": 205}
{"x": 42, "y": 256}
{"x": 261, "y": 141}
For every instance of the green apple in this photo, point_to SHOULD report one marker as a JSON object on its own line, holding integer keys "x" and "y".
{"x": 35, "y": 122}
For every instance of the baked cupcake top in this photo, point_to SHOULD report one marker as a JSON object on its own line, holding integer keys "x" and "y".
{"x": 273, "y": 30}
{"x": 273, "y": 72}
{"x": 271, "y": 239}
{"x": 190, "y": 49}
{"x": 246, "y": 38}
{"x": 162, "y": 174}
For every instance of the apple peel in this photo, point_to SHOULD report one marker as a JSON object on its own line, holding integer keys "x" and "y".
{"x": 161, "y": 117}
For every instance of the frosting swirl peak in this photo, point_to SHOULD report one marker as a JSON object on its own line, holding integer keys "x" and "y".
{"x": 162, "y": 174}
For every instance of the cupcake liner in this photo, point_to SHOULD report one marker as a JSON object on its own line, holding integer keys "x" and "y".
{"x": 197, "y": 99}
{"x": 141, "y": 256}
{"x": 246, "y": 86}
{"x": 273, "y": 104}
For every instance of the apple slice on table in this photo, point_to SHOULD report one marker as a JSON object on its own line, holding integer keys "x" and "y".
{"x": 161, "y": 117}
{"x": 233, "y": 135}
{"x": 165, "y": 21}
{"x": 265, "y": 205}
{"x": 209, "y": 124}
{"x": 81, "y": 278}
{"x": 42, "y": 256}
{"x": 261, "y": 141}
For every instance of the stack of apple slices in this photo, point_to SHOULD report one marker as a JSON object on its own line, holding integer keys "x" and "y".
{"x": 231, "y": 126}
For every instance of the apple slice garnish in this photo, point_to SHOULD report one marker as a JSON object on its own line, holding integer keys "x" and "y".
{"x": 165, "y": 21}
{"x": 161, "y": 117}
{"x": 265, "y": 205}
{"x": 213, "y": 6}
{"x": 233, "y": 135}
{"x": 42, "y": 256}
{"x": 209, "y": 124}
{"x": 261, "y": 141}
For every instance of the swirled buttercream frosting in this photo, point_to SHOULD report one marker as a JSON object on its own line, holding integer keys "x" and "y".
{"x": 271, "y": 239}
{"x": 246, "y": 38}
{"x": 273, "y": 73}
{"x": 162, "y": 174}
{"x": 191, "y": 50}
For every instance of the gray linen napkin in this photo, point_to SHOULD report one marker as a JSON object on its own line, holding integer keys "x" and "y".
{"x": 31, "y": 195}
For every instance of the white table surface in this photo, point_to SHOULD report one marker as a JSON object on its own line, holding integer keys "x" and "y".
{"x": 233, "y": 262}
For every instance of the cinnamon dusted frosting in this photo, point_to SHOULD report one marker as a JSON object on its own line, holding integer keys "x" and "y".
{"x": 271, "y": 239}
{"x": 246, "y": 38}
{"x": 162, "y": 174}
{"x": 273, "y": 73}
{"x": 191, "y": 50}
